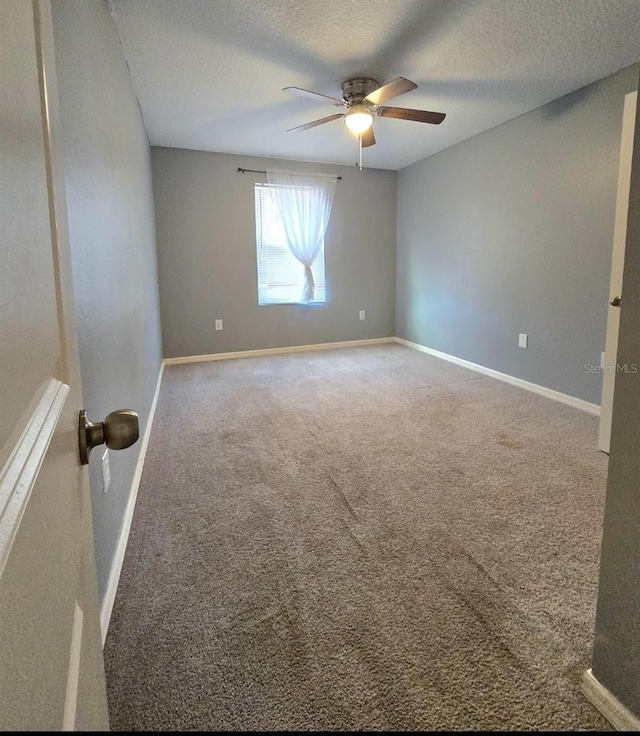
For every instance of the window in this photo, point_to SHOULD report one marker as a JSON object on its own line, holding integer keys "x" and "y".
{"x": 280, "y": 273}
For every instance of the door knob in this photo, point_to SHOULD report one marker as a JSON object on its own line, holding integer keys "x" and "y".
{"x": 615, "y": 301}
{"x": 118, "y": 431}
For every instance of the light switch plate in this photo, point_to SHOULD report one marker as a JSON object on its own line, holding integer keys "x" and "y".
{"x": 219, "y": 324}
{"x": 362, "y": 314}
{"x": 523, "y": 340}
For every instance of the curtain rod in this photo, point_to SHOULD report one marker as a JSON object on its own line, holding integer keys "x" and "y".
{"x": 256, "y": 171}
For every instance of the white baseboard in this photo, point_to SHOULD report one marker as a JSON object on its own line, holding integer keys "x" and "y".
{"x": 534, "y": 387}
{"x": 277, "y": 351}
{"x": 118, "y": 559}
{"x": 620, "y": 717}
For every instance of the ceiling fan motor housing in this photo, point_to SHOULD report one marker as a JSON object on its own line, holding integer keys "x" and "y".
{"x": 355, "y": 90}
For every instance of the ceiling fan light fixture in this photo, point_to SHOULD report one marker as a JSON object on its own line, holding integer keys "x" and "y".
{"x": 359, "y": 119}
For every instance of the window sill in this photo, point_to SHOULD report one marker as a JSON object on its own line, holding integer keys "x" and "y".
{"x": 292, "y": 304}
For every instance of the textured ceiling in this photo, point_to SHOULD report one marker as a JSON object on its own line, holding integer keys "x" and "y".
{"x": 209, "y": 73}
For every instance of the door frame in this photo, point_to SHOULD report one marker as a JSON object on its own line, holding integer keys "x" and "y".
{"x": 609, "y": 361}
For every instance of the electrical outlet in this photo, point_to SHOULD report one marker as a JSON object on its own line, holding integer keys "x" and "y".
{"x": 106, "y": 472}
{"x": 219, "y": 324}
{"x": 362, "y": 314}
{"x": 523, "y": 340}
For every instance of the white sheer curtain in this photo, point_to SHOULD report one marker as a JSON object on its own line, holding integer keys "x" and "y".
{"x": 303, "y": 203}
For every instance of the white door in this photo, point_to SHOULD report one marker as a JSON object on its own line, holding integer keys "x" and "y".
{"x": 51, "y": 668}
{"x": 617, "y": 264}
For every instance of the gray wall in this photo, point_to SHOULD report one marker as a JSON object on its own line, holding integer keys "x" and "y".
{"x": 109, "y": 197}
{"x": 511, "y": 231}
{"x": 616, "y": 658}
{"x": 207, "y": 257}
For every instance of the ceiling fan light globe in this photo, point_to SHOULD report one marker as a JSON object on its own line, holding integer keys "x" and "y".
{"x": 359, "y": 121}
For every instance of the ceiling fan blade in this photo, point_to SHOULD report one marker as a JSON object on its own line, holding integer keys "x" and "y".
{"x": 395, "y": 87}
{"x": 419, "y": 116}
{"x": 368, "y": 138}
{"x": 306, "y": 126}
{"x": 314, "y": 95}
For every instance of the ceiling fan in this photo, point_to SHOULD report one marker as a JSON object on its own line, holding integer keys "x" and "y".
{"x": 363, "y": 99}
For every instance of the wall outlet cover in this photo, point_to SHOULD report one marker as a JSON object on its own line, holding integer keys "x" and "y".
{"x": 362, "y": 314}
{"x": 219, "y": 324}
{"x": 523, "y": 340}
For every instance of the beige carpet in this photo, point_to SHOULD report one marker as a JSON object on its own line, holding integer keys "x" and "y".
{"x": 358, "y": 539}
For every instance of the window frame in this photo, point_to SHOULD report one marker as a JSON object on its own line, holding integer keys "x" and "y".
{"x": 260, "y": 197}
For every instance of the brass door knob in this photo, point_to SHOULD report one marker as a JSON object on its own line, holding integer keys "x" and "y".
{"x": 615, "y": 301}
{"x": 119, "y": 430}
